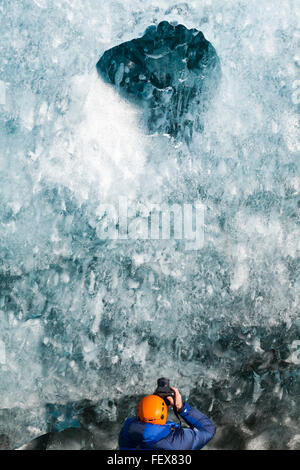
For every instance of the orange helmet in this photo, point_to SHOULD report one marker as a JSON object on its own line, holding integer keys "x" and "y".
{"x": 152, "y": 409}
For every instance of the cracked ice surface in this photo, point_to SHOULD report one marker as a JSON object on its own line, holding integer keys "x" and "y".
{"x": 84, "y": 318}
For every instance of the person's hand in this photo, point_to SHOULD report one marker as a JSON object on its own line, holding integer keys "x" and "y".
{"x": 178, "y": 399}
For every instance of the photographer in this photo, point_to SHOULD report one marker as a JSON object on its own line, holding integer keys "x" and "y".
{"x": 151, "y": 431}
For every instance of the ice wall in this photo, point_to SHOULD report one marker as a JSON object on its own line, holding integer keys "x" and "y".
{"x": 82, "y": 318}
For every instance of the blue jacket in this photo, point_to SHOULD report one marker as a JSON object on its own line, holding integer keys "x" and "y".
{"x": 136, "y": 435}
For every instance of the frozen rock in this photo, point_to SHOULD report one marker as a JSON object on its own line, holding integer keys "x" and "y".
{"x": 169, "y": 69}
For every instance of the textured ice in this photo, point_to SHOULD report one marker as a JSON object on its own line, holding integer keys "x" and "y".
{"x": 89, "y": 323}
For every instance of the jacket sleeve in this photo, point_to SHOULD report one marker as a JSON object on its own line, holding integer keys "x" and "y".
{"x": 204, "y": 429}
{"x": 201, "y": 431}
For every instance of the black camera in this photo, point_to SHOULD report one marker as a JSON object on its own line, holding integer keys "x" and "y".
{"x": 163, "y": 390}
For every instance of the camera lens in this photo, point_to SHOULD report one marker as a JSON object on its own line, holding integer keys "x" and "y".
{"x": 163, "y": 382}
